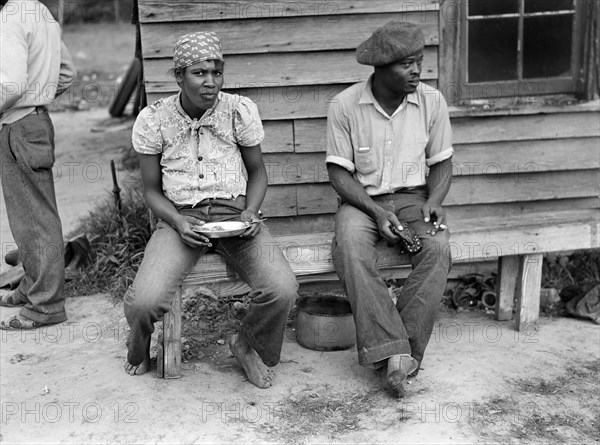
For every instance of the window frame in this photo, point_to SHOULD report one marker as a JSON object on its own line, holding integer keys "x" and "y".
{"x": 454, "y": 60}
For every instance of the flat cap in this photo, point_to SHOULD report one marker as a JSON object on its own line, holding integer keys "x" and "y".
{"x": 390, "y": 43}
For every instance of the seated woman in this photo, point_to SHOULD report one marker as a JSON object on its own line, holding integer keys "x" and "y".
{"x": 201, "y": 161}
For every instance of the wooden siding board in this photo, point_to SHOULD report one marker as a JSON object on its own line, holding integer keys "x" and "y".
{"x": 281, "y": 35}
{"x": 511, "y": 188}
{"x": 272, "y": 70}
{"x": 523, "y": 160}
{"x": 279, "y": 137}
{"x": 310, "y": 133}
{"x": 476, "y": 211}
{"x": 201, "y": 10}
{"x": 513, "y": 128}
{"x": 468, "y": 190}
{"x": 280, "y": 201}
{"x": 295, "y": 168}
{"x": 292, "y": 102}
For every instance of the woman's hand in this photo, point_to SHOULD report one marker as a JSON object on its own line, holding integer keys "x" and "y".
{"x": 254, "y": 221}
{"x": 184, "y": 224}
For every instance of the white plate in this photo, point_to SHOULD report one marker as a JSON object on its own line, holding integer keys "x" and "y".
{"x": 222, "y": 229}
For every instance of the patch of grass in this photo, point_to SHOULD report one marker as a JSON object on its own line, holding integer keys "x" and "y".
{"x": 318, "y": 412}
{"x": 580, "y": 268}
{"x": 540, "y": 410}
{"x": 118, "y": 243}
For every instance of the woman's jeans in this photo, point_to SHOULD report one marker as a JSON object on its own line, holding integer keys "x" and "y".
{"x": 258, "y": 261}
{"x": 382, "y": 329}
{"x": 27, "y": 157}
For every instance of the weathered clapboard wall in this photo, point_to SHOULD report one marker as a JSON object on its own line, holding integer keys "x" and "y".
{"x": 292, "y": 57}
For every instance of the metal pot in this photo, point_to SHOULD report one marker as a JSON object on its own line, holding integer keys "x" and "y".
{"x": 325, "y": 323}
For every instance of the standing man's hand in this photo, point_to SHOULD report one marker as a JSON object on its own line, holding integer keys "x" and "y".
{"x": 254, "y": 221}
{"x": 184, "y": 224}
{"x": 435, "y": 213}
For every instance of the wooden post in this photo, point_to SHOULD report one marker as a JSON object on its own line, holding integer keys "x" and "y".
{"x": 171, "y": 343}
{"x": 508, "y": 271}
{"x": 529, "y": 286}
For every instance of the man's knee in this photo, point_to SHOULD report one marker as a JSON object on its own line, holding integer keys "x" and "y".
{"x": 437, "y": 251}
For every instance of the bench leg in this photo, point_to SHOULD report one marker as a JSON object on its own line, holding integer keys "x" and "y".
{"x": 169, "y": 347}
{"x": 508, "y": 271}
{"x": 520, "y": 276}
{"x": 529, "y": 287}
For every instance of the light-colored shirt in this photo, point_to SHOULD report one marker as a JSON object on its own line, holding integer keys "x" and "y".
{"x": 386, "y": 153}
{"x": 200, "y": 158}
{"x": 35, "y": 65}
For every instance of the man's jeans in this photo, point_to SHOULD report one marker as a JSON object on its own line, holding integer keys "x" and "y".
{"x": 257, "y": 260}
{"x": 27, "y": 156}
{"x": 383, "y": 330}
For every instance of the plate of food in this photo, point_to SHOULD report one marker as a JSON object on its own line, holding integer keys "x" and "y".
{"x": 221, "y": 229}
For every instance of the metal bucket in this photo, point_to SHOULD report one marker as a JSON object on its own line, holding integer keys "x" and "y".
{"x": 325, "y": 323}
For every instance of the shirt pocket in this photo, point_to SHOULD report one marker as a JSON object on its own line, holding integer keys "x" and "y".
{"x": 365, "y": 160}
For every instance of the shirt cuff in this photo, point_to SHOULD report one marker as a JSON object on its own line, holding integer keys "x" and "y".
{"x": 342, "y": 162}
{"x": 442, "y": 156}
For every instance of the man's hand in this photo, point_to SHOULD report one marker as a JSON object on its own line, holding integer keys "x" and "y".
{"x": 385, "y": 220}
{"x": 254, "y": 221}
{"x": 184, "y": 225}
{"x": 434, "y": 212}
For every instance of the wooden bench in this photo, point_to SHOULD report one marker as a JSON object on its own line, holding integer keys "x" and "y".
{"x": 517, "y": 242}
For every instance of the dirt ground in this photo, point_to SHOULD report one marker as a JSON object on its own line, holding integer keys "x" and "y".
{"x": 481, "y": 381}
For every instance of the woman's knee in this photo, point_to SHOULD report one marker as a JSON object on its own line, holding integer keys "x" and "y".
{"x": 143, "y": 301}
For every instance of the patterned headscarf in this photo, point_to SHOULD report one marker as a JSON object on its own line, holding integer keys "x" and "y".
{"x": 197, "y": 47}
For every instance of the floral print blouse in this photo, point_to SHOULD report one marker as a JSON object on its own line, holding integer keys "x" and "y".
{"x": 200, "y": 158}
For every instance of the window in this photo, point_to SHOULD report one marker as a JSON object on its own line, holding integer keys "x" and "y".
{"x": 519, "y": 47}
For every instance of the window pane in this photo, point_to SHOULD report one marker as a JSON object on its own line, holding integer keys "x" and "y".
{"x": 492, "y": 49}
{"x": 489, "y": 7}
{"x": 548, "y": 5}
{"x": 547, "y": 46}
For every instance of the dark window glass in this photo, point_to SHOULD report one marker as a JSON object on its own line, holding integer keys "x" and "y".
{"x": 492, "y": 49}
{"x": 548, "y": 5}
{"x": 547, "y": 46}
{"x": 491, "y": 7}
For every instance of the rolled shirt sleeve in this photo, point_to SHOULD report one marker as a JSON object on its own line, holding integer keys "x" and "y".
{"x": 339, "y": 142}
{"x": 439, "y": 147}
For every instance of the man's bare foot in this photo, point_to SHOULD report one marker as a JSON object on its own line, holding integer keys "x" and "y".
{"x": 257, "y": 372}
{"x": 398, "y": 368}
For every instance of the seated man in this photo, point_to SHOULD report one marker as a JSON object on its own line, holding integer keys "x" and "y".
{"x": 382, "y": 137}
{"x": 201, "y": 161}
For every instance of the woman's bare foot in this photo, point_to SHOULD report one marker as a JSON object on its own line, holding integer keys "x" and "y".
{"x": 140, "y": 369}
{"x": 143, "y": 367}
{"x": 257, "y": 372}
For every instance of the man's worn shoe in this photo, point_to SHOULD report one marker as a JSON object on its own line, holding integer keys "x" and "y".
{"x": 11, "y": 300}
{"x": 399, "y": 367}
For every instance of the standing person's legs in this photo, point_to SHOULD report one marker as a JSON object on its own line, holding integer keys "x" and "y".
{"x": 27, "y": 155}
{"x": 167, "y": 260}
{"x": 380, "y": 331}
